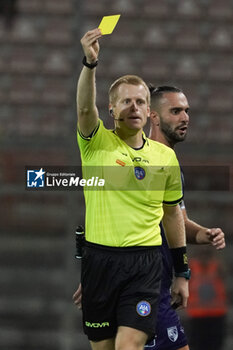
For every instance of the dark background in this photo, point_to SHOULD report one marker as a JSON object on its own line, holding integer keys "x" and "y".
{"x": 187, "y": 43}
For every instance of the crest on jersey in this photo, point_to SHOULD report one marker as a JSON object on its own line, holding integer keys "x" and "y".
{"x": 139, "y": 172}
{"x": 172, "y": 333}
{"x": 143, "y": 308}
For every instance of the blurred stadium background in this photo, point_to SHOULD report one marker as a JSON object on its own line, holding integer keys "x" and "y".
{"x": 187, "y": 43}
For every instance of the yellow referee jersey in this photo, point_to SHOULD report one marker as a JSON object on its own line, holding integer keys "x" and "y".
{"x": 127, "y": 210}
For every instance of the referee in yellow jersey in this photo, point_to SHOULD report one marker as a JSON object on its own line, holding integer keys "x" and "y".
{"x": 121, "y": 265}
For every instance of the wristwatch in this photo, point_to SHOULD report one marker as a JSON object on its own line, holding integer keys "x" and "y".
{"x": 185, "y": 274}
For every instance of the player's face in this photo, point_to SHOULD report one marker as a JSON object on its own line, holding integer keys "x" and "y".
{"x": 173, "y": 116}
{"x": 131, "y": 107}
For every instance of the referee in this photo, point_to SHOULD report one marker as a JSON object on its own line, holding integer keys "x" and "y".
{"x": 121, "y": 264}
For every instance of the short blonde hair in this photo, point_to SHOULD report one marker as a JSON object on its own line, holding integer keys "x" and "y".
{"x": 127, "y": 79}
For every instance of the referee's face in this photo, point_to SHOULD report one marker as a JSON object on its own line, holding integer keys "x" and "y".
{"x": 173, "y": 116}
{"x": 131, "y": 108}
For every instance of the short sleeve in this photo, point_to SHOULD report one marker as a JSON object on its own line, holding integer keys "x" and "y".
{"x": 173, "y": 192}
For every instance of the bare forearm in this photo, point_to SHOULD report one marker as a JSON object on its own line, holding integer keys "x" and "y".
{"x": 86, "y": 96}
{"x": 173, "y": 224}
{"x": 86, "y": 89}
{"x": 195, "y": 233}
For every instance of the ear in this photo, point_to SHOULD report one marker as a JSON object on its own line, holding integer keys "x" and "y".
{"x": 154, "y": 117}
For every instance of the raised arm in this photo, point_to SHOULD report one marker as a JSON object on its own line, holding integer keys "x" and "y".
{"x": 86, "y": 90}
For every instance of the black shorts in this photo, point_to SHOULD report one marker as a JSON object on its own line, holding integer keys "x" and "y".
{"x": 120, "y": 287}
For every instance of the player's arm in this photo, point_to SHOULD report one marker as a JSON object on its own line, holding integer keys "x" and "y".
{"x": 173, "y": 224}
{"x": 197, "y": 234}
{"x": 86, "y": 89}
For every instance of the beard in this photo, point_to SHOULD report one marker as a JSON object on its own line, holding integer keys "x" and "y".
{"x": 172, "y": 135}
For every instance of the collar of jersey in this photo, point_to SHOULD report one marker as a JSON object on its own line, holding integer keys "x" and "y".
{"x": 143, "y": 136}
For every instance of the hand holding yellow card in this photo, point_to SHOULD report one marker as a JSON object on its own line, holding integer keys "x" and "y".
{"x": 108, "y": 24}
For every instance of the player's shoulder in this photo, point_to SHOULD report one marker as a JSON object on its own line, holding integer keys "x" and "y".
{"x": 160, "y": 147}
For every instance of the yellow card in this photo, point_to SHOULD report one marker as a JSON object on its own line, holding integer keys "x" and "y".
{"x": 108, "y": 24}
